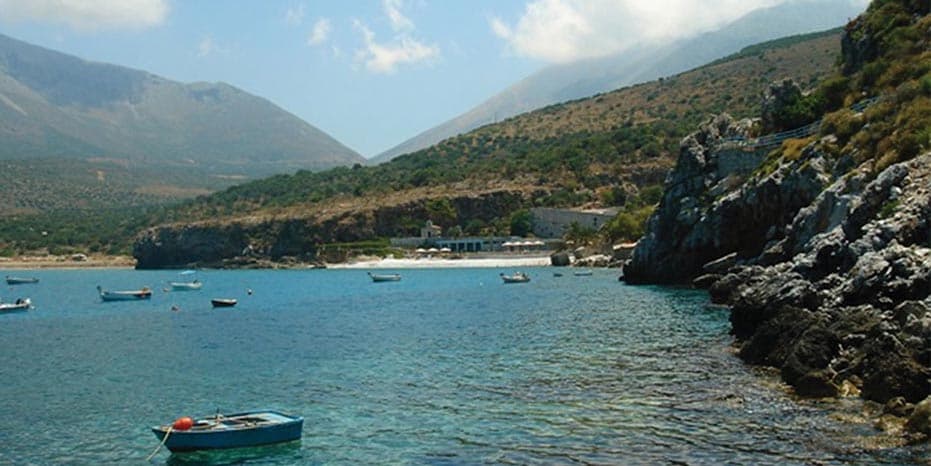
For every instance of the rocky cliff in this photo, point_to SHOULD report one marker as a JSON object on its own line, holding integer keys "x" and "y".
{"x": 823, "y": 249}
{"x": 271, "y": 240}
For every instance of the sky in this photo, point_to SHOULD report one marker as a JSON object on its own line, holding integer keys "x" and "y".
{"x": 371, "y": 73}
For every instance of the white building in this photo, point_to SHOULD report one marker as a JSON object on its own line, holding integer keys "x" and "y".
{"x": 553, "y": 223}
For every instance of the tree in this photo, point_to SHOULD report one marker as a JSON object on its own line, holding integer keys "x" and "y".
{"x": 521, "y": 222}
{"x": 441, "y": 211}
{"x": 579, "y": 234}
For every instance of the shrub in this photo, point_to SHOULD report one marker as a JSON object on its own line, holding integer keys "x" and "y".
{"x": 842, "y": 123}
{"x": 521, "y": 223}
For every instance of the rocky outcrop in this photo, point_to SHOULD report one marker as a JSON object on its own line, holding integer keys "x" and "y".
{"x": 856, "y": 293}
{"x": 702, "y": 217}
{"x": 839, "y": 292}
{"x": 268, "y": 241}
{"x": 777, "y": 97}
{"x": 823, "y": 252}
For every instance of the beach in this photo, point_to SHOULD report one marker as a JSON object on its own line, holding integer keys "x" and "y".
{"x": 433, "y": 262}
{"x": 65, "y": 262}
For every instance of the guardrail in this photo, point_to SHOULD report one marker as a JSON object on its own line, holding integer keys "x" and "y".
{"x": 770, "y": 141}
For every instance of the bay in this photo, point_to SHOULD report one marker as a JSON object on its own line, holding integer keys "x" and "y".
{"x": 446, "y": 366}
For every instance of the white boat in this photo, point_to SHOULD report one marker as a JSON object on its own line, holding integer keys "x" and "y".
{"x": 186, "y": 286}
{"x": 133, "y": 295}
{"x": 582, "y": 273}
{"x": 385, "y": 277}
{"x": 223, "y": 302}
{"x": 517, "y": 277}
{"x": 20, "y": 280}
{"x": 19, "y": 305}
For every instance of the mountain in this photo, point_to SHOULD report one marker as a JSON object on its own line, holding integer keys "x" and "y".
{"x": 54, "y": 105}
{"x": 584, "y": 78}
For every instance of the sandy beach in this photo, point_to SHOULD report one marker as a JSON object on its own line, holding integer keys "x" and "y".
{"x": 410, "y": 263}
{"x": 65, "y": 262}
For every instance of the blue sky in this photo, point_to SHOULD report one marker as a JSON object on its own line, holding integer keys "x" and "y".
{"x": 371, "y": 73}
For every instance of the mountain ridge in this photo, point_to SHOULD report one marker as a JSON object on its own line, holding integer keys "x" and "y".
{"x": 560, "y": 83}
{"x": 55, "y": 104}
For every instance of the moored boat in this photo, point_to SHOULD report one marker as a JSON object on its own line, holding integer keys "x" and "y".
{"x": 223, "y": 302}
{"x": 132, "y": 295}
{"x": 246, "y": 429}
{"x": 517, "y": 277}
{"x": 582, "y": 273}
{"x": 20, "y": 305}
{"x": 186, "y": 286}
{"x": 385, "y": 277}
{"x": 20, "y": 280}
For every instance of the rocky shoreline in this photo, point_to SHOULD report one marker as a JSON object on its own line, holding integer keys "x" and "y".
{"x": 821, "y": 248}
{"x": 826, "y": 267}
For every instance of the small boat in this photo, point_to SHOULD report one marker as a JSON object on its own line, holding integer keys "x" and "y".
{"x": 247, "y": 429}
{"x": 557, "y": 274}
{"x": 20, "y": 280}
{"x": 517, "y": 277}
{"x": 186, "y": 286}
{"x": 223, "y": 302}
{"x": 385, "y": 277}
{"x": 134, "y": 295}
{"x": 582, "y": 273}
{"x": 19, "y": 305}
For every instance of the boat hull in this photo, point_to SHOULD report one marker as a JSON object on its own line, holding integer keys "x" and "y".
{"x": 516, "y": 280}
{"x": 124, "y": 296}
{"x": 185, "y": 286}
{"x": 223, "y": 302}
{"x": 285, "y": 429}
{"x": 15, "y": 307}
{"x": 391, "y": 277}
{"x": 20, "y": 280}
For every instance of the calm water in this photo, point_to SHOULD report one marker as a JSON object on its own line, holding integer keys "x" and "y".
{"x": 444, "y": 367}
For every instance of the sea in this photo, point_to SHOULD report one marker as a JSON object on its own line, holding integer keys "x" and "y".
{"x": 445, "y": 367}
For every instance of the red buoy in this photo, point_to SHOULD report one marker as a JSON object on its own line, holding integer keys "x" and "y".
{"x": 183, "y": 423}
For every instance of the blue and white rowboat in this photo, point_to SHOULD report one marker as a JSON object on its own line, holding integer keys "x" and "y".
{"x": 246, "y": 429}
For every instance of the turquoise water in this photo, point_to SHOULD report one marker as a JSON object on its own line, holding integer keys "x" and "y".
{"x": 444, "y": 367}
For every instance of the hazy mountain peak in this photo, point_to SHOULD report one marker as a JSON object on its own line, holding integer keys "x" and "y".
{"x": 57, "y": 105}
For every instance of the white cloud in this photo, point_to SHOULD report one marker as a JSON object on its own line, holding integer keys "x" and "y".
{"x": 399, "y": 22}
{"x": 402, "y": 49}
{"x": 385, "y": 57}
{"x": 207, "y": 46}
{"x": 88, "y": 14}
{"x": 320, "y": 33}
{"x": 295, "y": 15}
{"x": 565, "y": 30}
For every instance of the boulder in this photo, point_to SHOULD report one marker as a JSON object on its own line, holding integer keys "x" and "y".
{"x": 920, "y": 419}
{"x": 560, "y": 259}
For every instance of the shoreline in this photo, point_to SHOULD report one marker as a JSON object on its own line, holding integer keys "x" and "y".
{"x": 66, "y": 262}
{"x": 429, "y": 263}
